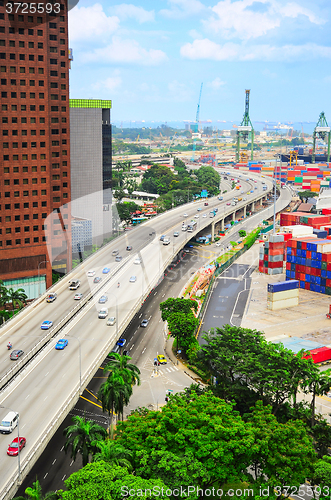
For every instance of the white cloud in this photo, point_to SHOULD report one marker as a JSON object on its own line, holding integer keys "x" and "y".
{"x": 90, "y": 22}
{"x": 207, "y": 49}
{"x": 183, "y": 8}
{"x": 125, "y": 51}
{"x": 126, "y": 10}
{"x": 216, "y": 84}
{"x": 179, "y": 91}
{"x": 247, "y": 19}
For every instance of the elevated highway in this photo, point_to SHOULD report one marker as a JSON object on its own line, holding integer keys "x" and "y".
{"x": 49, "y": 383}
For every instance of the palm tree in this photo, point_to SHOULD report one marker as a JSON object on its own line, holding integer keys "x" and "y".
{"x": 4, "y": 315}
{"x": 130, "y": 373}
{"x": 318, "y": 384}
{"x": 35, "y": 492}
{"x": 80, "y": 436}
{"x": 113, "y": 453}
{"x": 17, "y": 297}
{"x": 3, "y": 294}
{"x": 113, "y": 394}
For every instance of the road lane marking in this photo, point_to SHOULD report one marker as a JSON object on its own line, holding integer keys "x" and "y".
{"x": 46, "y": 374}
{"x": 64, "y": 477}
{"x": 71, "y": 463}
{"x": 27, "y": 396}
{"x": 54, "y": 461}
{"x": 62, "y": 448}
{"x": 143, "y": 350}
{"x": 45, "y": 475}
{"x": 92, "y": 402}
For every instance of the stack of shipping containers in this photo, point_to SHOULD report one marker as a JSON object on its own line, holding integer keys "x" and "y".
{"x": 271, "y": 258}
{"x": 283, "y": 294}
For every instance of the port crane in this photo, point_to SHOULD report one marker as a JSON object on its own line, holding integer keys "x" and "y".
{"x": 245, "y": 128}
{"x": 321, "y": 130}
{"x": 196, "y": 126}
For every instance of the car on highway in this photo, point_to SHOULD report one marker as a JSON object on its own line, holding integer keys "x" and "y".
{"x": 161, "y": 359}
{"x": 162, "y": 237}
{"x": 78, "y": 296}
{"x": 74, "y": 284}
{"x": 205, "y": 204}
{"x": 196, "y": 216}
{"x": 103, "y": 299}
{"x": 204, "y": 215}
{"x": 199, "y": 209}
{"x": 51, "y": 297}
{"x": 129, "y": 248}
{"x": 111, "y": 321}
{"x": 144, "y": 323}
{"x": 90, "y": 274}
{"x": 218, "y": 243}
{"x": 137, "y": 261}
{"x": 228, "y": 203}
{"x": 17, "y": 353}
{"x": 252, "y": 191}
{"x": 255, "y": 181}
{"x": 118, "y": 258}
{"x": 97, "y": 279}
{"x": 121, "y": 342}
{"x": 61, "y": 344}
{"x": 185, "y": 215}
{"x": 245, "y": 198}
{"x": 105, "y": 270}
{"x": 255, "y": 187}
{"x": 176, "y": 233}
{"x": 45, "y": 325}
{"x": 133, "y": 279}
{"x": 248, "y": 192}
{"x": 12, "y": 450}
{"x": 115, "y": 252}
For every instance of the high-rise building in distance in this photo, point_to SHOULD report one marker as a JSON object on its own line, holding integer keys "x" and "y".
{"x": 35, "y": 149}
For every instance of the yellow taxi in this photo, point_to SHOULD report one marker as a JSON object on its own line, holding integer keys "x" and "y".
{"x": 161, "y": 359}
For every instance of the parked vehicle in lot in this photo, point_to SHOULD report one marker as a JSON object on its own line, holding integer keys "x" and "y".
{"x": 74, "y": 284}
{"x": 111, "y": 321}
{"x": 78, "y": 296}
{"x": 45, "y": 325}
{"x": 12, "y": 450}
{"x": 61, "y": 344}
{"x": 161, "y": 359}
{"x": 103, "y": 313}
{"x": 9, "y": 422}
{"x": 17, "y": 353}
{"x": 51, "y": 297}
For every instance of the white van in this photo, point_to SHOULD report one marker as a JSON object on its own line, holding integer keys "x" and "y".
{"x": 166, "y": 241}
{"x": 103, "y": 313}
{"x": 9, "y": 423}
{"x": 184, "y": 227}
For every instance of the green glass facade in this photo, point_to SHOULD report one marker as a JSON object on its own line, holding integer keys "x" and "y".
{"x": 89, "y": 103}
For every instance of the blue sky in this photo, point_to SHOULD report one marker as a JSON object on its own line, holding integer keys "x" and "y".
{"x": 150, "y": 58}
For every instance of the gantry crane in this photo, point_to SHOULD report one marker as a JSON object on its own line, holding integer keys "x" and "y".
{"x": 321, "y": 130}
{"x": 245, "y": 128}
{"x": 196, "y": 125}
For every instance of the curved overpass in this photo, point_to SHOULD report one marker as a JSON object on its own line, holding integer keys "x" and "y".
{"x": 50, "y": 384}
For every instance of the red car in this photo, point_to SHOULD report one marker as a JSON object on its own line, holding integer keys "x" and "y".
{"x": 13, "y": 447}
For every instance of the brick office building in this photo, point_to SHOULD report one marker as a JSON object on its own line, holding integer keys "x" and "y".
{"x": 35, "y": 154}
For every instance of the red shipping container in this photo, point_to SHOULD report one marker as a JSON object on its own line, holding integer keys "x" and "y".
{"x": 307, "y": 286}
{"x": 326, "y": 211}
{"x": 308, "y": 270}
{"x": 328, "y": 282}
{"x": 302, "y": 276}
{"x": 288, "y": 266}
{"x": 320, "y": 354}
{"x": 278, "y": 244}
{"x": 297, "y": 275}
{"x": 328, "y": 266}
{"x": 274, "y": 265}
{"x": 326, "y": 257}
{"x": 260, "y": 263}
{"x": 276, "y": 251}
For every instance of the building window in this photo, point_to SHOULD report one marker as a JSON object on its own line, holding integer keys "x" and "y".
{"x": 17, "y": 217}
{"x": 27, "y": 240}
{"x": 26, "y": 205}
{"x": 35, "y": 228}
{"x": 26, "y": 229}
{"x": 17, "y": 229}
{"x": 43, "y": 192}
{"x": 8, "y": 243}
{"x": 56, "y": 199}
{"x": 35, "y": 216}
{"x": 36, "y": 239}
{"x": 17, "y": 242}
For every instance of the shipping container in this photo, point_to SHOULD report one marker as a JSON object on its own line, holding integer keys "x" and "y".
{"x": 287, "y": 294}
{"x": 282, "y": 304}
{"x": 320, "y": 354}
{"x": 282, "y": 286}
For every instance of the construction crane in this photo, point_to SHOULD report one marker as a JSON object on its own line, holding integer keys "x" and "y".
{"x": 171, "y": 141}
{"x": 321, "y": 130}
{"x": 245, "y": 128}
{"x": 196, "y": 125}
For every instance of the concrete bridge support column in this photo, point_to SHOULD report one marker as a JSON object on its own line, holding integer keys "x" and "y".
{"x": 253, "y": 206}
{"x": 213, "y": 232}
{"x": 245, "y": 207}
{"x": 222, "y": 225}
{"x": 234, "y": 216}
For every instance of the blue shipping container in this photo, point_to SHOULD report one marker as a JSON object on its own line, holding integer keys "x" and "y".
{"x": 282, "y": 286}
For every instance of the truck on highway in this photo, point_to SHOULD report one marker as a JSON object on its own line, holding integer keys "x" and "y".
{"x": 191, "y": 226}
{"x": 264, "y": 188}
{"x": 212, "y": 213}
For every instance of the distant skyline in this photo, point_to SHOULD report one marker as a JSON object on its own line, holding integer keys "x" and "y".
{"x": 150, "y": 58}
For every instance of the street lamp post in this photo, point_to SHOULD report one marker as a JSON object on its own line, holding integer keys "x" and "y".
{"x": 43, "y": 262}
{"x": 18, "y": 443}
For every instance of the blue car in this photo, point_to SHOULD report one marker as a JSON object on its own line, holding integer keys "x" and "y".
{"x": 45, "y": 325}
{"x": 61, "y": 344}
{"x": 105, "y": 270}
{"x": 103, "y": 299}
{"x": 121, "y": 342}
